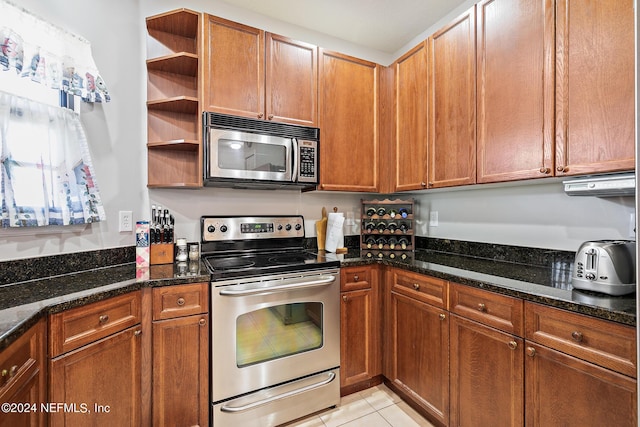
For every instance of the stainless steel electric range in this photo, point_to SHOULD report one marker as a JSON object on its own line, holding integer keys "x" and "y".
{"x": 275, "y": 329}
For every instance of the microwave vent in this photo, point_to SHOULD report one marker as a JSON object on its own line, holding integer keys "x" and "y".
{"x": 224, "y": 121}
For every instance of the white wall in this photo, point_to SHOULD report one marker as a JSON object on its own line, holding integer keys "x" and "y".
{"x": 538, "y": 215}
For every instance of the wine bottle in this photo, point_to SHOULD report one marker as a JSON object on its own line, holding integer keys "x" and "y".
{"x": 370, "y": 242}
{"x": 381, "y": 226}
{"x": 381, "y": 242}
{"x": 392, "y": 227}
{"x": 404, "y": 227}
{"x": 393, "y": 242}
{"x": 404, "y": 242}
{"x": 380, "y": 255}
{"x": 403, "y": 256}
{"x": 371, "y": 211}
{"x": 369, "y": 255}
{"x": 404, "y": 213}
{"x": 392, "y": 255}
{"x": 381, "y": 211}
{"x": 369, "y": 226}
{"x": 393, "y": 213}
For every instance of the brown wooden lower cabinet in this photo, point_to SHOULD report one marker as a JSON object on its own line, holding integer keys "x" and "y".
{"x": 23, "y": 379}
{"x": 418, "y": 353}
{"x": 360, "y": 358}
{"x": 180, "y": 358}
{"x": 99, "y": 383}
{"x": 562, "y": 390}
{"x": 487, "y": 376}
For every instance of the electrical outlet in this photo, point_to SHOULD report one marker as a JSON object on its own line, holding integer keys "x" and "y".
{"x": 433, "y": 218}
{"x": 126, "y": 221}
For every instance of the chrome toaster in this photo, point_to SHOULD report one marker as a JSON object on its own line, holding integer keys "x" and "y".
{"x": 607, "y": 266}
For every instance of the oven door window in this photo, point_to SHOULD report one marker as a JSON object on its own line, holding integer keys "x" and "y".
{"x": 279, "y": 331}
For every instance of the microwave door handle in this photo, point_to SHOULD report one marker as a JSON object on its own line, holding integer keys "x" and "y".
{"x": 294, "y": 149}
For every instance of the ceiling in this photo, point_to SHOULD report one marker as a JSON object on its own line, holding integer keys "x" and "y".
{"x": 384, "y": 25}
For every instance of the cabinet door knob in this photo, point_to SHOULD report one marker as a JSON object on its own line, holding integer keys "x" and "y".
{"x": 482, "y": 307}
{"x": 423, "y": 184}
{"x": 13, "y": 370}
{"x": 531, "y": 351}
{"x": 260, "y": 115}
{"x": 545, "y": 170}
{"x": 104, "y": 318}
{"x": 202, "y": 322}
{"x": 416, "y": 286}
{"x": 137, "y": 333}
{"x": 442, "y": 316}
{"x": 512, "y": 345}
{"x": 344, "y": 298}
{"x": 180, "y": 301}
{"x": 577, "y": 336}
{"x": 562, "y": 169}
{"x": 356, "y": 278}
{"x": 270, "y": 117}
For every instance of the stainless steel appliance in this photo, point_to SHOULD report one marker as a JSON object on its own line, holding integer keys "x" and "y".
{"x": 275, "y": 329}
{"x": 246, "y": 153}
{"x": 606, "y": 266}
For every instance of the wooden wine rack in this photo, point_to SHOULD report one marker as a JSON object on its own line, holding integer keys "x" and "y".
{"x": 375, "y": 243}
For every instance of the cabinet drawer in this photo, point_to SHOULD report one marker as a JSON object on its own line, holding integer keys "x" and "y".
{"x": 354, "y": 278}
{"x": 499, "y": 311}
{"x": 423, "y": 288}
{"x": 74, "y": 328}
{"x": 181, "y": 300}
{"x": 22, "y": 357}
{"x": 604, "y": 343}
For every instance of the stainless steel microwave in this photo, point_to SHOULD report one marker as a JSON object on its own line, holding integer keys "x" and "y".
{"x": 241, "y": 152}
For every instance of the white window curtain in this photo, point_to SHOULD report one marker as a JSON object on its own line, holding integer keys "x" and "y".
{"x": 47, "y": 175}
{"x": 36, "y": 51}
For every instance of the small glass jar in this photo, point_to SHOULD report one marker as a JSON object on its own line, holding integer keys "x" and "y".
{"x": 181, "y": 253}
{"x": 194, "y": 252}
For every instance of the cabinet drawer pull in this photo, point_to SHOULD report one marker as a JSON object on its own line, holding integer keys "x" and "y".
{"x": 416, "y": 286}
{"x": 482, "y": 307}
{"x": 104, "y": 318}
{"x": 513, "y": 345}
{"x": 442, "y": 316}
{"x": 531, "y": 351}
{"x": 202, "y": 322}
{"x": 13, "y": 370}
{"x": 577, "y": 336}
{"x": 180, "y": 301}
{"x": 137, "y": 333}
{"x": 356, "y": 278}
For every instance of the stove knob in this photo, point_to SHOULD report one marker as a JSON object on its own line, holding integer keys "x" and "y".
{"x": 223, "y": 228}
{"x": 279, "y": 227}
{"x": 298, "y": 227}
{"x": 211, "y": 229}
{"x": 288, "y": 227}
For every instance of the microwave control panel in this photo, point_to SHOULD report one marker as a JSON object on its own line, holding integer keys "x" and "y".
{"x": 308, "y": 161}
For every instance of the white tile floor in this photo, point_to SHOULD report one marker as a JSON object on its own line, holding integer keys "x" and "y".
{"x": 375, "y": 407}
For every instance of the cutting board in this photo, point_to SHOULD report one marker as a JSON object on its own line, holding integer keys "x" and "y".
{"x": 321, "y": 229}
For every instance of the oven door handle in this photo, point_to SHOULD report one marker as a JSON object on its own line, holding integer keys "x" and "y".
{"x": 227, "y": 408}
{"x": 278, "y": 286}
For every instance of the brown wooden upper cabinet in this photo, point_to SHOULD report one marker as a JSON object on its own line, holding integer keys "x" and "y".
{"x": 249, "y": 72}
{"x": 515, "y": 89}
{"x": 348, "y": 117}
{"x": 452, "y": 103}
{"x": 594, "y": 86}
{"x": 411, "y": 119}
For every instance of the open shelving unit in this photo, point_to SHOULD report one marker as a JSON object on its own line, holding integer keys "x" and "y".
{"x": 174, "y": 129}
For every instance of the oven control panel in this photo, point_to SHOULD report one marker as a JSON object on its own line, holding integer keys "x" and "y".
{"x": 218, "y": 228}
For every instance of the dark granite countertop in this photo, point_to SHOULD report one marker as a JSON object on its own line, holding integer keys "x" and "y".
{"x": 549, "y": 285}
{"x": 24, "y": 302}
